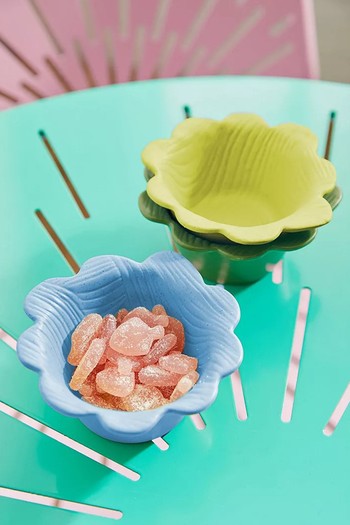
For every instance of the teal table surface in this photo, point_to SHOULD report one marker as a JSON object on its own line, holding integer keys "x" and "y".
{"x": 258, "y": 471}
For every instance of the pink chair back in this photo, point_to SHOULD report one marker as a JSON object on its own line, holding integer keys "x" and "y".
{"x": 48, "y": 46}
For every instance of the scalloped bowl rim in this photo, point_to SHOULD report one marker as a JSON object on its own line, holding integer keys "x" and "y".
{"x": 127, "y": 424}
{"x": 314, "y": 212}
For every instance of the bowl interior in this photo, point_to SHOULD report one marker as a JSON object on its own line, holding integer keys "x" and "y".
{"x": 203, "y": 242}
{"x": 136, "y": 286}
{"x": 241, "y": 172}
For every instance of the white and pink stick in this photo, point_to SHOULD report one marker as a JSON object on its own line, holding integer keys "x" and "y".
{"x": 297, "y": 347}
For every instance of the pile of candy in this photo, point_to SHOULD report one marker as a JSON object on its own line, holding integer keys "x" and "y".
{"x": 131, "y": 361}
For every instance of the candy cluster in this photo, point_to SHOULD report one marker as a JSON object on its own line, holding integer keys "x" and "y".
{"x": 131, "y": 361}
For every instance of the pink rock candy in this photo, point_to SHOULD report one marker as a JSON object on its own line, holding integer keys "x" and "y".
{"x": 160, "y": 348}
{"x": 88, "y": 362}
{"x": 108, "y": 325}
{"x": 123, "y": 362}
{"x": 175, "y": 327}
{"x": 104, "y": 401}
{"x": 158, "y": 309}
{"x": 88, "y": 388}
{"x": 178, "y": 363}
{"x": 184, "y": 385}
{"x": 134, "y": 337}
{"x": 166, "y": 391}
{"x": 120, "y": 316}
{"x": 143, "y": 398}
{"x": 82, "y": 337}
{"x": 111, "y": 382}
{"x": 153, "y": 375}
{"x": 132, "y": 361}
{"x": 108, "y": 364}
{"x": 148, "y": 317}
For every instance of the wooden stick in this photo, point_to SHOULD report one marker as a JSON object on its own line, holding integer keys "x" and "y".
{"x": 85, "y": 66}
{"x": 59, "y": 75}
{"x": 18, "y": 56}
{"x": 330, "y": 134}
{"x": 296, "y": 352}
{"x": 64, "y": 174}
{"x": 46, "y": 26}
{"x": 187, "y": 111}
{"x": 32, "y": 90}
{"x": 10, "y": 98}
{"x": 58, "y": 242}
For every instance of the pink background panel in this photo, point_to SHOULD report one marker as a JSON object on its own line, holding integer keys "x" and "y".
{"x": 154, "y": 38}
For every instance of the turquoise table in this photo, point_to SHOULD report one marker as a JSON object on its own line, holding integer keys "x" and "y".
{"x": 257, "y": 471}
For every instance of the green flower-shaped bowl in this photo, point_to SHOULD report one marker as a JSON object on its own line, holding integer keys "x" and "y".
{"x": 229, "y": 263}
{"x": 241, "y": 179}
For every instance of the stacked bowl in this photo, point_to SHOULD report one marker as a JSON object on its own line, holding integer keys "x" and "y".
{"x": 237, "y": 194}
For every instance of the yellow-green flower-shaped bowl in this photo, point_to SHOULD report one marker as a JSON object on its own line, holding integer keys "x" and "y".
{"x": 240, "y": 178}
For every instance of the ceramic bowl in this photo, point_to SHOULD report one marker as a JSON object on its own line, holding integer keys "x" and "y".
{"x": 106, "y": 284}
{"x": 228, "y": 263}
{"x": 241, "y": 179}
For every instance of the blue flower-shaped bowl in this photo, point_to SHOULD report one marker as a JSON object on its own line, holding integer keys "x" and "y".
{"x": 106, "y": 284}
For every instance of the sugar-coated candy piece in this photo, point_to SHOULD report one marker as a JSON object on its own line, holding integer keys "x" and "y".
{"x": 108, "y": 364}
{"x": 180, "y": 363}
{"x": 158, "y": 309}
{"x": 86, "y": 389}
{"x": 148, "y": 317}
{"x": 104, "y": 401}
{"x": 135, "y": 337}
{"x": 122, "y": 361}
{"x": 153, "y": 375}
{"x": 89, "y": 385}
{"x": 160, "y": 348}
{"x": 82, "y": 336}
{"x": 184, "y": 385}
{"x": 143, "y": 398}
{"x": 166, "y": 391}
{"x": 88, "y": 362}
{"x": 111, "y": 382}
{"x": 176, "y": 327}
{"x": 124, "y": 365}
{"x": 108, "y": 325}
{"x": 121, "y": 315}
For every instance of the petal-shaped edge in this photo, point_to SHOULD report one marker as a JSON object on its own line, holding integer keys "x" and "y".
{"x": 57, "y": 305}
{"x": 320, "y": 212}
{"x": 186, "y": 239}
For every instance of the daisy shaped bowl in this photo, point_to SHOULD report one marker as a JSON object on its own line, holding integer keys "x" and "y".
{"x": 240, "y": 178}
{"x": 229, "y": 263}
{"x": 104, "y": 285}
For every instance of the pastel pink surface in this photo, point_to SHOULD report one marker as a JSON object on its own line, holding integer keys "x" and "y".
{"x": 155, "y": 38}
